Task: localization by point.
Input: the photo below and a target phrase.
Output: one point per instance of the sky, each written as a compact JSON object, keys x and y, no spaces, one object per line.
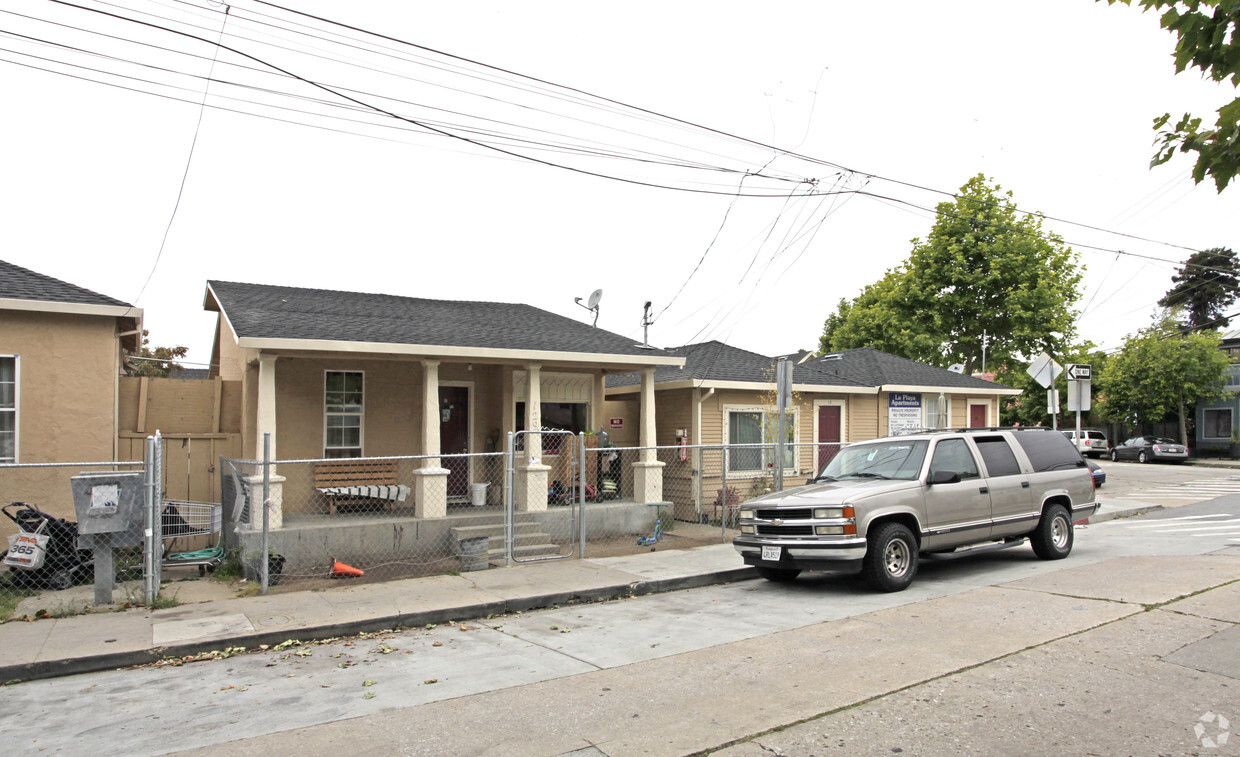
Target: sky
{"x":740,"y":166}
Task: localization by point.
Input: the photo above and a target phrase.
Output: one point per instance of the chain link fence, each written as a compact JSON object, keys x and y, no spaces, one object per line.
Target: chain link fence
{"x":74,"y":527}
{"x":376,"y":519}
{"x":84,"y":533}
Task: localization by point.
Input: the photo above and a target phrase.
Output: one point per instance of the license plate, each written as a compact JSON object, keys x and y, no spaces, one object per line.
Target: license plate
{"x":771,"y":553}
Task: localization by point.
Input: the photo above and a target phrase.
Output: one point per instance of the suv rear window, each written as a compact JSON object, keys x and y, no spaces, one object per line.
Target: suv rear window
{"x":1048,"y":451}
{"x":997,"y":455}
{"x":1096,"y":435}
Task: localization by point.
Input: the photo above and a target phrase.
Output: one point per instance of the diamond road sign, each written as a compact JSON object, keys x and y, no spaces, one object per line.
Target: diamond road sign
{"x":1044,"y":370}
{"x":1079,"y":372}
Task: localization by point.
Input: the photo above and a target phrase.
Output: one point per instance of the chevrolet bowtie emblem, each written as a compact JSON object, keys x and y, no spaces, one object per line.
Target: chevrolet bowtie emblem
{"x":777,"y":523}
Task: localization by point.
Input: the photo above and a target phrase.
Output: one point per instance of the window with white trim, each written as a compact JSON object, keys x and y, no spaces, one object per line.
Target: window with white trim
{"x":342,"y":411}
{"x":758,"y":425}
{"x":936,"y":406}
{"x":8,"y":408}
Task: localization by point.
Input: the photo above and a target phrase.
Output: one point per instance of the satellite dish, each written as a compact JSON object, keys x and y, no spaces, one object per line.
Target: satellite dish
{"x":592,"y":303}
{"x":957,"y":368}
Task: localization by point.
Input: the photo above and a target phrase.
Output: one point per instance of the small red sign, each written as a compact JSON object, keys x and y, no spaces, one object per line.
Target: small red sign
{"x":617,"y":423}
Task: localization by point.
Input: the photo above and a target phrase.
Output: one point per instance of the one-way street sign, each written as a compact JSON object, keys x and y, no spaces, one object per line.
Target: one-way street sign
{"x":1079,"y":372}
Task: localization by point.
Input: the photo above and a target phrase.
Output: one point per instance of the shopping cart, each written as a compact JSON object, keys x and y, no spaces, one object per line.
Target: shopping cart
{"x":192,"y":534}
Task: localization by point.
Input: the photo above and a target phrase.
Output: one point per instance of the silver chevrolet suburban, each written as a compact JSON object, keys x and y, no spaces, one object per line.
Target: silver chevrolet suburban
{"x":878,"y":505}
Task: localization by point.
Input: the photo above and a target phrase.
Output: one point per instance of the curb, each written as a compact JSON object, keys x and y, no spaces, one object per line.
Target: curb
{"x":30,"y":671}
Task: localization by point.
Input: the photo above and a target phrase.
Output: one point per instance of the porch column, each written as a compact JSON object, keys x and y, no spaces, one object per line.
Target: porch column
{"x":647,"y":471}
{"x":430,"y":482}
{"x":266,"y":422}
{"x":530,"y":494}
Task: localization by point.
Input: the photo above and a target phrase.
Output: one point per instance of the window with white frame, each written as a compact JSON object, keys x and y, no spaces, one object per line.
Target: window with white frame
{"x":343,"y":406}
{"x":1216,"y":424}
{"x":8,"y":408}
{"x":758,"y":425}
{"x":936,"y":406}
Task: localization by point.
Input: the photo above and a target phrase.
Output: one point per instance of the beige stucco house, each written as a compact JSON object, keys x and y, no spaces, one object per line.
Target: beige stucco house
{"x":724,"y":395}
{"x":338,"y":375}
{"x":62,"y":349}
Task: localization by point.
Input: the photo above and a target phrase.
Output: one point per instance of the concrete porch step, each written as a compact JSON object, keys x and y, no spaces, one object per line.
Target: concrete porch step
{"x":496,"y":556}
{"x":493,"y":530}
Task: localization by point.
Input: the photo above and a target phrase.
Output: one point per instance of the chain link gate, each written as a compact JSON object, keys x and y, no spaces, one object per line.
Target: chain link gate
{"x":533,"y":535}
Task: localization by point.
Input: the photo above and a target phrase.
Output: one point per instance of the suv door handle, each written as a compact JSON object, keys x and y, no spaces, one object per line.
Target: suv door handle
{"x":1024,"y":484}
{"x":982,"y":489}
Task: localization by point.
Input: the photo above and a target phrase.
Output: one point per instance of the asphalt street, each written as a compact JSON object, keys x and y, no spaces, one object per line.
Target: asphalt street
{"x":319,"y":697}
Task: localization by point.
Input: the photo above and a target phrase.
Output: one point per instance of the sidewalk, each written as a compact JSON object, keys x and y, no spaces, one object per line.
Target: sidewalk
{"x":210,"y":619}
{"x":100,"y":641}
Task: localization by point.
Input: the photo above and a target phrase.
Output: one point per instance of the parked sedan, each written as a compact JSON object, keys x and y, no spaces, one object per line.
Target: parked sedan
{"x":1150,"y":449}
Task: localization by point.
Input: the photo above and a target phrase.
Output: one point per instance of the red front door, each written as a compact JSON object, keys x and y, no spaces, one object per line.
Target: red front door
{"x":977,"y":416}
{"x":454,"y":437}
{"x":828,"y":434}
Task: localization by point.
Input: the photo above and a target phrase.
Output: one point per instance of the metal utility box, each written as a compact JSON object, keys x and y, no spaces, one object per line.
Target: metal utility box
{"x":110,"y":503}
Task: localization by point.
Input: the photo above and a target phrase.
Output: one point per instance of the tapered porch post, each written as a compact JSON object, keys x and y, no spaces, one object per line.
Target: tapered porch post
{"x":430,"y":482}
{"x":530,"y":491}
{"x":265,"y":421}
{"x":647,"y":471}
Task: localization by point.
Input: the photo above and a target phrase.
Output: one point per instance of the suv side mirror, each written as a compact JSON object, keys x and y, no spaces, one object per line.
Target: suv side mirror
{"x":944,"y":477}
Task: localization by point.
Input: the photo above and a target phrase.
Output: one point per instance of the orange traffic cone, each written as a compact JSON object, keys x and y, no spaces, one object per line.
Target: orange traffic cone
{"x":340,"y":570}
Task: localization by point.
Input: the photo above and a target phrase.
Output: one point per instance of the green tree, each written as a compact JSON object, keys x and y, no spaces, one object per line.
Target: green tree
{"x":985,"y":269}
{"x":159,"y":361}
{"x":1204,"y":287}
{"x":1208,"y":37}
{"x":1162,"y":370}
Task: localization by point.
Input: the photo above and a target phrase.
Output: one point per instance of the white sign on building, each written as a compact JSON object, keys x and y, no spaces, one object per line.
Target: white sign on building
{"x":903,"y":412}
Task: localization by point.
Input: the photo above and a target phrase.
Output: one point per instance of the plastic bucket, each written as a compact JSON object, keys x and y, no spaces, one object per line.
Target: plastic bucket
{"x":478,"y":494}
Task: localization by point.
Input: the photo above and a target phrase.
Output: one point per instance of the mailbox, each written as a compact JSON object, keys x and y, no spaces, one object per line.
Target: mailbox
{"x":109,"y":503}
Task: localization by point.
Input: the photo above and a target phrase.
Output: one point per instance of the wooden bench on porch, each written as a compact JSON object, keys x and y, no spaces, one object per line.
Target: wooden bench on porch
{"x":348,"y":481}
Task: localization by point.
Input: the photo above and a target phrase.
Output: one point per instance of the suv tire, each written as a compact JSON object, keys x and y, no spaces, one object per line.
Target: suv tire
{"x":890,"y":558}
{"x":778,"y":575}
{"x":1052,"y":540}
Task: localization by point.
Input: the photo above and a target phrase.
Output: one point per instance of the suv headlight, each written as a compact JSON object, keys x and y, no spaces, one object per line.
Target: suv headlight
{"x":823,"y":513}
{"x":747,"y":514}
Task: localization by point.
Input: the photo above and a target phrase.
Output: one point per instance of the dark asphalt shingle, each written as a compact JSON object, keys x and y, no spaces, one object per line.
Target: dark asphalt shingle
{"x":17,"y":283}
{"x":877,"y":368}
{"x":263,"y":311}
{"x":716,"y":361}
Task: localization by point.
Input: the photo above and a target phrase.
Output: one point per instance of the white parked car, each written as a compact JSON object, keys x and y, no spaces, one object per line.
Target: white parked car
{"x":1090,"y":443}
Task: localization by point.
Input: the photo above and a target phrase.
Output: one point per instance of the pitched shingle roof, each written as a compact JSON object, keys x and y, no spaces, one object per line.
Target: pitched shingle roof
{"x":17,"y":283}
{"x":716,"y":361}
{"x":877,"y":368}
{"x":264,"y":312}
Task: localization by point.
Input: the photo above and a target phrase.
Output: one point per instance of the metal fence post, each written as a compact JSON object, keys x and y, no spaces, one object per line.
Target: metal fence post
{"x":581,"y":489}
{"x":510,"y":480}
{"x":266,"y":546}
{"x":149,"y":517}
{"x":723,"y":497}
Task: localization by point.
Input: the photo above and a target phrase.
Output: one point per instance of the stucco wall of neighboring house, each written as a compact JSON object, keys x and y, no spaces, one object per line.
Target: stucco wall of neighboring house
{"x":68,"y":368}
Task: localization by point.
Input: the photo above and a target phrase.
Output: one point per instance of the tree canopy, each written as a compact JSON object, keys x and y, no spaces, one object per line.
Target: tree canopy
{"x":1208,"y":37}
{"x":160,"y":361}
{"x":985,"y":269}
{"x":1162,"y":370}
{"x":1207,"y":283}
